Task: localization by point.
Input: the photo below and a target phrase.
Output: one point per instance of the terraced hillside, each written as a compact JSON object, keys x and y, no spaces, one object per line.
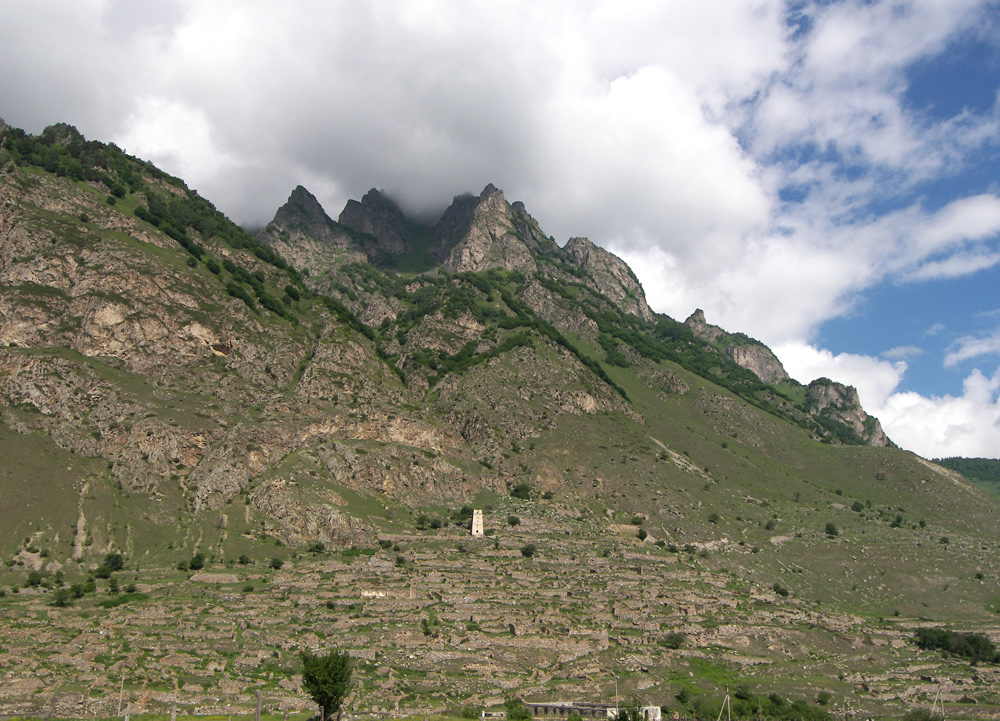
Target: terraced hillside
{"x":436,"y":620}
{"x":174,"y":391}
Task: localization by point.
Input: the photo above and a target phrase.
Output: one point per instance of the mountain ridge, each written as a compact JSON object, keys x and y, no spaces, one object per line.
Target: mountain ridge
{"x":174,"y":390}
{"x":477,"y":233}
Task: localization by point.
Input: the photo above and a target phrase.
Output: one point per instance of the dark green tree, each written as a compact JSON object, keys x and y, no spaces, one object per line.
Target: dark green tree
{"x":630,"y":710}
{"x":516,"y":710}
{"x":327,"y":679}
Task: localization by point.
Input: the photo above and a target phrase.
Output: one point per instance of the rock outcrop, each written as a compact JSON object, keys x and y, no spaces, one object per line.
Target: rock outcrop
{"x":307,"y":237}
{"x":490,"y":240}
{"x":839,"y":402}
{"x":743,"y":350}
{"x":379,"y":217}
{"x":611,"y":276}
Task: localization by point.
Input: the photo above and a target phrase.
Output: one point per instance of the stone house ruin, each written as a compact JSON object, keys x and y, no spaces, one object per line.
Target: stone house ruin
{"x":562,"y":709}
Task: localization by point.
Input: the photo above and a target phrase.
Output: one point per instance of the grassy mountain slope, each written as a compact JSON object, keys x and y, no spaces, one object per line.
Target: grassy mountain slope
{"x":171,"y":390}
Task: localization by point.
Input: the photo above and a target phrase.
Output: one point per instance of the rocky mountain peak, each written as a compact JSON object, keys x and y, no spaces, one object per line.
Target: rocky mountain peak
{"x":696,"y":320}
{"x":305,"y":235}
{"x":303,"y":215}
{"x":378,"y":216}
{"x":700,"y":327}
{"x":301,"y":207}
{"x":611,"y":274}
{"x":479,"y":233}
{"x":827,"y":398}
{"x":375,"y":198}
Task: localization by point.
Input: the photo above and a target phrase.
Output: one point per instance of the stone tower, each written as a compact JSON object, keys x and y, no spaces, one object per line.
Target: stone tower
{"x":477,"y":523}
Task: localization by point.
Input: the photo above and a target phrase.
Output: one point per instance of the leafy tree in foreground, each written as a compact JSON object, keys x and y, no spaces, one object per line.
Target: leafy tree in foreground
{"x":630,"y":710}
{"x":327,"y":679}
{"x":516,"y":710}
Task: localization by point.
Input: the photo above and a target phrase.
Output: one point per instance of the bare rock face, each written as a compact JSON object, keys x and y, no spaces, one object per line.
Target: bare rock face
{"x":301,"y":516}
{"x":454,"y":224}
{"x":611,"y":275}
{"x":700,"y":327}
{"x":491,"y":240}
{"x":829,"y":399}
{"x":307,"y":237}
{"x":380,"y":217}
{"x":745,"y":351}
{"x":759,"y":360}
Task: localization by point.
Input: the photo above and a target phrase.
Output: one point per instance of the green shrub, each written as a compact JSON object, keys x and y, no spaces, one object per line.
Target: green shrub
{"x":522,"y":491}
{"x":673,"y":640}
{"x":973,"y":646}
{"x":316,"y":547}
{"x":516,"y":710}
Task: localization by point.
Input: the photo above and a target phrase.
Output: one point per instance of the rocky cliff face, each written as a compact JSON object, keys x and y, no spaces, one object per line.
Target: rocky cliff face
{"x":746,"y":352}
{"x":611,"y":276}
{"x":308,"y":238}
{"x":379,"y":217}
{"x":491,"y":239}
{"x":827,"y":399}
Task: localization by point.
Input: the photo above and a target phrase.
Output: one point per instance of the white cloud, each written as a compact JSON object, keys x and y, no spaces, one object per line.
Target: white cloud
{"x":956,"y":266}
{"x":941,"y":427}
{"x":900,"y":352}
{"x":933,"y":426}
{"x":969,"y":347}
{"x":962,"y":221}
{"x":173,"y":134}
{"x":764,"y":174}
{"x":875,"y":379}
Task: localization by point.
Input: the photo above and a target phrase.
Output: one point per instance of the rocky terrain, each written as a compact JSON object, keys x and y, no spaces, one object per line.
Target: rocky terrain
{"x":333,"y":397}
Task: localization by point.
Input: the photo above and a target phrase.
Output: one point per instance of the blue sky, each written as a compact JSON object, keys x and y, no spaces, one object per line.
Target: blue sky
{"x":933,"y":317}
{"x":820,"y":175}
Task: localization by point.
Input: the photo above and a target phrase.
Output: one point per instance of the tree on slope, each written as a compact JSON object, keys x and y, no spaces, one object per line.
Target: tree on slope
{"x":327,"y":679}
